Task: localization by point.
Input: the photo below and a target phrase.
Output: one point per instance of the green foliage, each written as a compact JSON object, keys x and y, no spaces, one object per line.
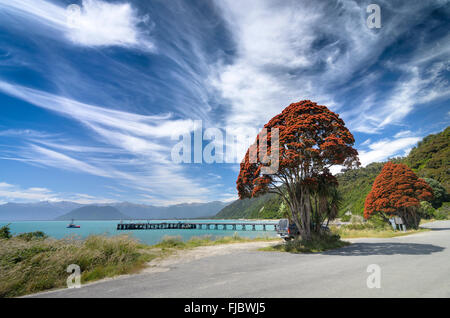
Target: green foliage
{"x":264,"y":207}
{"x":283,"y":211}
{"x":355,"y":185}
{"x":29,"y":266}
{"x":5,"y":232}
{"x":32,"y":235}
{"x":443,"y":213}
{"x":439,"y":192}
{"x":377,"y":222}
{"x":319,"y":243}
{"x":431,"y":158}
{"x":171,"y":242}
{"x":176,"y":242}
{"x":427,"y":210}
{"x":346,"y":218}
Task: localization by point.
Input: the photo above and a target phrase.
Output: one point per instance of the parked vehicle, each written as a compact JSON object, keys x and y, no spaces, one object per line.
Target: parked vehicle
{"x":288,"y":230}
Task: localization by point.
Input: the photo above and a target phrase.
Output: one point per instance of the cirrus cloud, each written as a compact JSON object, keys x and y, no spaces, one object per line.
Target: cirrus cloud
{"x":97,"y":23}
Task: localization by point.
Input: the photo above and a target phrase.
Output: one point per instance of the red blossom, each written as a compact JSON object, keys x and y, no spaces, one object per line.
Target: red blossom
{"x":396,"y":187}
{"x":311,"y":139}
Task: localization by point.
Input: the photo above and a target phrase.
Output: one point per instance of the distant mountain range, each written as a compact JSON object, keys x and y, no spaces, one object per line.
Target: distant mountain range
{"x":35,"y":211}
{"x":94,"y":212}
{"x":68,"y":210}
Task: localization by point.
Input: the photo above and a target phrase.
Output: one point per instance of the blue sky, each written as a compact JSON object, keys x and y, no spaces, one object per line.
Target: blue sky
{"x":90,"y":104}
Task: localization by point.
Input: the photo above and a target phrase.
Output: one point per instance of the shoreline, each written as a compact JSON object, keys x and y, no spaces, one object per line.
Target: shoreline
{"x":173,"y":252}
{"x":175,"y":257}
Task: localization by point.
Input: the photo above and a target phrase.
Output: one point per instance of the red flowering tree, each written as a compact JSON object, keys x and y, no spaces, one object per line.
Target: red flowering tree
{"x":397,"y":191}
{"x":311,"y":140}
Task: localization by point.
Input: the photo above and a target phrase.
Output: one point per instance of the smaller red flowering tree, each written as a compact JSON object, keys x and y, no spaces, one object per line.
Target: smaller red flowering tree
{"x":397,"y":191}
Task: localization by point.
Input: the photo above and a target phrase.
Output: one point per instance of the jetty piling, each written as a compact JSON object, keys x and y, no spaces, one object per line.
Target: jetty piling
{"x":196,"y":226}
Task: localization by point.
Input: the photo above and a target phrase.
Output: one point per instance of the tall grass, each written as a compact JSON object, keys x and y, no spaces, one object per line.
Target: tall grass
{"x":373,"y":228}
{"x":32,"y":262}
{"x":176,"y":242}
{"x":29,"y":265}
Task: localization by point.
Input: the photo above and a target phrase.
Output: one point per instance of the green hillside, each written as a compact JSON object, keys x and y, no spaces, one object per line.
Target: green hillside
{"x":429,"y":159}
{"x":263,"y":207}
{"x":354,"y":185}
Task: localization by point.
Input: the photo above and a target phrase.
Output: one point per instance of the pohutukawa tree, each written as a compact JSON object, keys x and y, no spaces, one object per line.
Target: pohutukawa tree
{"x":311,"y":140}
{"x":397,"y":191}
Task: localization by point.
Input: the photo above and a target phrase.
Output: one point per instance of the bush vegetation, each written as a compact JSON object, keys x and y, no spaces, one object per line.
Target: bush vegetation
{"x":31,"y":262}
{"x":319,"y":243}
{"x":374,"y":227}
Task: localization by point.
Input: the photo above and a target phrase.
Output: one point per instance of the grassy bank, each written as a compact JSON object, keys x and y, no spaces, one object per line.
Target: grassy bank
{"x":361,"y":231}
{"x":37,"y":264}
{"x":176,"y":242}
{"x":32,"y":262}
{"x":375,"y":227}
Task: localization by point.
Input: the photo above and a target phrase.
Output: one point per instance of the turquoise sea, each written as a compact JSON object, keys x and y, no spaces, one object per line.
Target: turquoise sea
{"x":57,"y":229}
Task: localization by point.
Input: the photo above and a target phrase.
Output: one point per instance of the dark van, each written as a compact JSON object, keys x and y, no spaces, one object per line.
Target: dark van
{"x":288,"y":230}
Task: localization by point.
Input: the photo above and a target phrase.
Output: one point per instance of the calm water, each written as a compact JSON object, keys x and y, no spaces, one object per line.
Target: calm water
{"x":57,"y":229}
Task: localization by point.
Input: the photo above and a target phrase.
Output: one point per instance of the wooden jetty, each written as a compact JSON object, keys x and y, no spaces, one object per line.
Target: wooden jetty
{"x":197,"y":226}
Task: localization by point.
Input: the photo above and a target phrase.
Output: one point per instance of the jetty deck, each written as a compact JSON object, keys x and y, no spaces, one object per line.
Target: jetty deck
{"x":235,"y":226}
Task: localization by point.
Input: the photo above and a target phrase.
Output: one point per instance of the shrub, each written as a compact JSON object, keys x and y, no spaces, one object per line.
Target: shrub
{"x":318,"y":243}
{"x":443,"y":213}
{"x":171,"y":242}
{"x":427,"y":210}
{"x":374,"y":223}
{"x":356,"y":219}
{"x":5,"y":232}
{"x":32,"y":235}
{"x":439,"y":192}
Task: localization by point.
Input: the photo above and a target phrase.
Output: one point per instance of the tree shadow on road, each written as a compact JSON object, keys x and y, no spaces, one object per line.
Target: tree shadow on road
{"x":366,"y":249}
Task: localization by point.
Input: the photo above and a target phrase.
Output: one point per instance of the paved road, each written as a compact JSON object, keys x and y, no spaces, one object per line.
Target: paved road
{"x":411,"y":266}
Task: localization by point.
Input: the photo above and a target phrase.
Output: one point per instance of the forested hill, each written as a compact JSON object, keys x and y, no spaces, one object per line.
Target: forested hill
{"x":263,"y":207}
{"x":429,"y":159}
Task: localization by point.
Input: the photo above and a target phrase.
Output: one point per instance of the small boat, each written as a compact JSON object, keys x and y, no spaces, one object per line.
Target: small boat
{"x":73,"y":226}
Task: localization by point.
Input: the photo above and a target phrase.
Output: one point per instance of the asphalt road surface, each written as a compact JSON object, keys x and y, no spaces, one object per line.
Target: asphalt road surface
{"x":410,"y":266}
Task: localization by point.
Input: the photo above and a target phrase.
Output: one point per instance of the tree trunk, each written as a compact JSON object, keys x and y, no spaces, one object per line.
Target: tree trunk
{"x":307,"y":214}
{"x":299,"y":203}
{"x":410,"y":218}
{"x":301,"y":214}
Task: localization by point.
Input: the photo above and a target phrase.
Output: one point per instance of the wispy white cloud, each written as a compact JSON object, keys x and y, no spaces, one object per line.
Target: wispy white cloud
{"x":97,"y":23}
{"x":15,"y":193}
{"x":55,"y":159}
{"x":415,"y":88}
{"x":142,"y":141}
{"x":12,"y":193}
{"x":387,"y":148}
{"x":288,"y":51}
{"x":97,"y":117}
{"x":403,"y":133}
